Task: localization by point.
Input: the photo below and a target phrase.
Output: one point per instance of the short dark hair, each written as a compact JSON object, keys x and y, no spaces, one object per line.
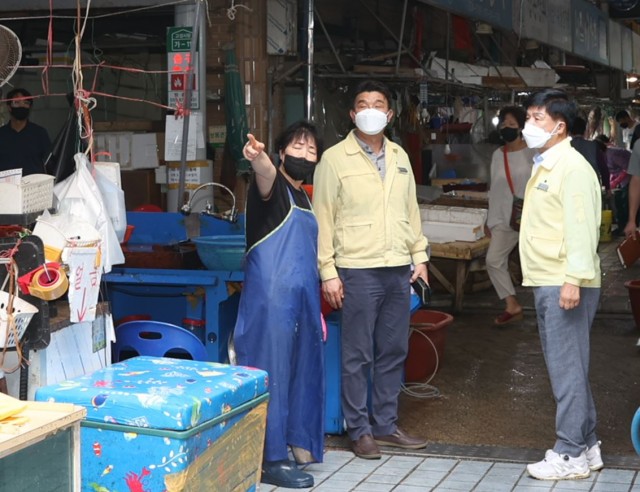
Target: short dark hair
{"x":19,"y":92}
{"x":579,"y":126}
{"x":299,"y":129}
{"x":603,"y":141}
{"x":516,"y":111}
{"x":556,"y":103}
{"x":370,"y":86}
{"x":622,"y":115}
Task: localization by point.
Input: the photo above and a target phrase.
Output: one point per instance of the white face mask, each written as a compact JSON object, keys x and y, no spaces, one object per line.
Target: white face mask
{"x":537,"y":137}
{"x":371,"y":121}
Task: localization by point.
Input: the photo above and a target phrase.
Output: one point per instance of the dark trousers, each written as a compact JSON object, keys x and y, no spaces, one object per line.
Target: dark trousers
{"x":375,"y":338}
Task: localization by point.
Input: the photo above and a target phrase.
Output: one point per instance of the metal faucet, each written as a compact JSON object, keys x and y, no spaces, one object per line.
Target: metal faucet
{"x":230,"y":215}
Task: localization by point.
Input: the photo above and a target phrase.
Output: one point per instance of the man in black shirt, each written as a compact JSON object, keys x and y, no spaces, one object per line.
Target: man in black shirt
{"x":23,"y":144}
{"x":591,"y":151}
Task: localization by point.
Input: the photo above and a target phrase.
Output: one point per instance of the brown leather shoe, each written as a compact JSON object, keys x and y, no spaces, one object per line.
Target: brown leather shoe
{"x":365,"y":447}
{"x":401,"y":440}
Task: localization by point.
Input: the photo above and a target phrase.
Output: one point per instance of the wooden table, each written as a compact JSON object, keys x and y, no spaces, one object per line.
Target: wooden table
{"x":42,"y":450}
{"x":462,"y":252}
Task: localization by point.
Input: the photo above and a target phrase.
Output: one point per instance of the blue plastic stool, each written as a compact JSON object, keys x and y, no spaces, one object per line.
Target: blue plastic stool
{"x":156,"y":339}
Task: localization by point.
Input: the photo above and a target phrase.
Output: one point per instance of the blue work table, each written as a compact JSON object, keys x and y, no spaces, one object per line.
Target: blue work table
{"x":172,"y":295}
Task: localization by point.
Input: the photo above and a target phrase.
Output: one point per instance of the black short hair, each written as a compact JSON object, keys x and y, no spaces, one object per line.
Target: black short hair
{"x":516,"y":111}
{"x":370,"y":86}
{"x":19,"y":92}
{"x":556,"y":103}
{"x":579,"y":126}
{"x":603,"y":141}
{"x":622,"y":115}
{"x":299,"y":129}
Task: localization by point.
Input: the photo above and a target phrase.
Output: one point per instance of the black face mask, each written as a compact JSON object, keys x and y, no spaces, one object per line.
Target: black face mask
{"x":298,"y":168}
{"x":20,"y":114}
{"x":509,"y":134}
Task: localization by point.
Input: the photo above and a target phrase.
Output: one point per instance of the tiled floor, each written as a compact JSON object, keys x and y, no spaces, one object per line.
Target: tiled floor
{"x":498,"y":470}
{"x":342,"y":472}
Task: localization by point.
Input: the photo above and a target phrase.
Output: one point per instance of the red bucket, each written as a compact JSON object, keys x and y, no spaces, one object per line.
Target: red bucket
{"x":633,"y":286}
{"x":426,"y":344}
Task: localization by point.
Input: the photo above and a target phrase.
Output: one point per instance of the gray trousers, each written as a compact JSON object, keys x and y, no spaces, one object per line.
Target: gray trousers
{"x":564,"y":335}
{"x":375,"y":339}
{"x":503,"y":240}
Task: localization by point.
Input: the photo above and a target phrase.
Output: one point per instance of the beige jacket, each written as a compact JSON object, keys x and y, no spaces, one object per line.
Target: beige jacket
{"x":365,"y":222}
{"x":560,"y":225}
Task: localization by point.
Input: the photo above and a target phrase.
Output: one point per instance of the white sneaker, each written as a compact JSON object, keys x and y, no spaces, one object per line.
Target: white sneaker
{"x":594,"y":457}
{"x":556,"y":466}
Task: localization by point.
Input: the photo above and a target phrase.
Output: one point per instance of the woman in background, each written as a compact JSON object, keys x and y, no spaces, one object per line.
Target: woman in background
{"x":515,"y":156}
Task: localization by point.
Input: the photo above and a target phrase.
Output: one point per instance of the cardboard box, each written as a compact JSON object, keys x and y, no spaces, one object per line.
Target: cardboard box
{"x":169,"y":424}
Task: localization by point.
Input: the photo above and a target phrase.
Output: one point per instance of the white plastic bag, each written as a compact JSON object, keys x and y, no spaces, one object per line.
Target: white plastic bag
{"x":114,"y":202}
{"x":79,"y":196}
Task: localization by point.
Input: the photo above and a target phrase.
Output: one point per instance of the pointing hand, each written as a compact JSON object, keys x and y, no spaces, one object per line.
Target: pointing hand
{"x":252,"y":148}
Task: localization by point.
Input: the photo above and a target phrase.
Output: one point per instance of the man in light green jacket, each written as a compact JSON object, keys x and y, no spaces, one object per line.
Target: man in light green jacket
{"x":559,"y":235}
{"x":370,"y":233}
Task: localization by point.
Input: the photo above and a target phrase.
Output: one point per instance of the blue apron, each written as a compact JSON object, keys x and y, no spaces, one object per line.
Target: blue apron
{"x":279,"y":330}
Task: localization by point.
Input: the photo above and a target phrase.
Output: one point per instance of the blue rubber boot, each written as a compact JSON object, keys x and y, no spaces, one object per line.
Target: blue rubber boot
{"x":285,"y":474}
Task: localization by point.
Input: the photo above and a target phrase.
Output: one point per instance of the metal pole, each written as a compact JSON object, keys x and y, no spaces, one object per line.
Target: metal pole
{"x":187,"y":103}
{"x":310,"y":24}
{"x":404,"y":16}
{"x":447,"y":48}
{"x":399,"y":41}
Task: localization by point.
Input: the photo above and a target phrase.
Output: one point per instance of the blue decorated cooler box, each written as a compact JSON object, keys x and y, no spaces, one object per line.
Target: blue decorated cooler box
{"x":157,"y":424}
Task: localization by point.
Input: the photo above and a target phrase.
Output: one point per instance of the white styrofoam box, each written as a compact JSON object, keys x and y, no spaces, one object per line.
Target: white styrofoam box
{"x":446,"y":232}
{"x":144,"y":151}
{"x":116,"y":144}
{"x":110,"y":170}
{"x":456,"y":215}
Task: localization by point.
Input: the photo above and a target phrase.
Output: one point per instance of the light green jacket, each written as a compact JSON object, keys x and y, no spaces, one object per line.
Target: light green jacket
{"x":560,"y":225}
{"x":365,"y":222}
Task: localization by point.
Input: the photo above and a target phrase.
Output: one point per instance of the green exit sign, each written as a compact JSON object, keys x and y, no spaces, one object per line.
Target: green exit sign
{"x":178,"y":39}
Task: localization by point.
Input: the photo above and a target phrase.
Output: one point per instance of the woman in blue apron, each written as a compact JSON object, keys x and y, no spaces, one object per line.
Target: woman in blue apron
{"x":279,"y":326}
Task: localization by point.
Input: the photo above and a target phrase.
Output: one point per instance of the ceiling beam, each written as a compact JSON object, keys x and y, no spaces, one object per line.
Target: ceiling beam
{"x":15,"y":5}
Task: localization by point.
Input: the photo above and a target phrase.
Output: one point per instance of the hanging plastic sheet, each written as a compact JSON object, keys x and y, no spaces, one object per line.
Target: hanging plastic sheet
{"x":60,"y":162}
{"x":234,"y":106}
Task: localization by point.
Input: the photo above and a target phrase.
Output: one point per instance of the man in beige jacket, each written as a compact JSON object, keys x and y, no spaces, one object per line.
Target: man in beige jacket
{"x":559,"y":236}
{"x":370,"y":234}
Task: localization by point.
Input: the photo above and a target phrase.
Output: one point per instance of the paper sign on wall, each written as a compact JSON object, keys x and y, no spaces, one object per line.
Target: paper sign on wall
{"x":173,"y":138}
{"x":84,"y":282}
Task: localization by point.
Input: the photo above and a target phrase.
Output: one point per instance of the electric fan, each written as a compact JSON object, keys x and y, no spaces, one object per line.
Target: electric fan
{"x":10,"y":54}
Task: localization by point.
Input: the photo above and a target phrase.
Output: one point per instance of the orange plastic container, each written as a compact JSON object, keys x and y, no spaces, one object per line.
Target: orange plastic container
{"x":427,"y":327}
